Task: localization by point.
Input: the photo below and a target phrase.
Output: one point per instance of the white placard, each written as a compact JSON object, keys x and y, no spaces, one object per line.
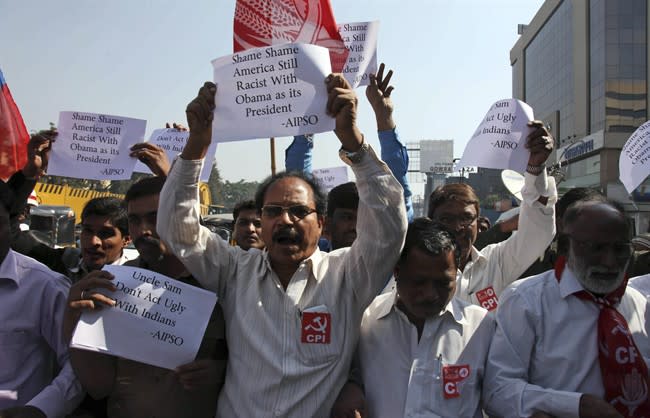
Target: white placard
{"x":173,"y":141}
{"x":360,"y":40}
{"x":500,"y":139}
{"x":329,"y":178}
{"x":272,"y":91}
{"x":634,"y":162}
{"x":157,"y":320}
{"x":95,"y":146}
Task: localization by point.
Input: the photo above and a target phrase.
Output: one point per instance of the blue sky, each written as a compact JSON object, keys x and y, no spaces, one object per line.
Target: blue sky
{"x":146,"y":59}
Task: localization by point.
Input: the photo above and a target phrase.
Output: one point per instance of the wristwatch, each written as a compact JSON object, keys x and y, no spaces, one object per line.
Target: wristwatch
{"x":351,"y":158}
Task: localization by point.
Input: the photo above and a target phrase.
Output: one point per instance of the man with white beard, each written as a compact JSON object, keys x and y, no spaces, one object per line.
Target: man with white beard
{"x":545,"y":359}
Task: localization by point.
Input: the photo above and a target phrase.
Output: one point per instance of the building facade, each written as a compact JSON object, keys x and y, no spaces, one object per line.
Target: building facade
{"x":582,"y":66}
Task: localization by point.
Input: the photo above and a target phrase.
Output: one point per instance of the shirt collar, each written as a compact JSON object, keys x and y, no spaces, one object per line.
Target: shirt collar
{"x":8,"y":268}
{"x":453,"y":308}
{"x":313,"y":260}
{"x":569,"y":283}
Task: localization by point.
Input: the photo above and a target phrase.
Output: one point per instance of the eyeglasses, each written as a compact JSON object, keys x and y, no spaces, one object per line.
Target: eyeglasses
{"x":621,"y":250}
{"x":295,"y":212}
{"x":464,"y":220}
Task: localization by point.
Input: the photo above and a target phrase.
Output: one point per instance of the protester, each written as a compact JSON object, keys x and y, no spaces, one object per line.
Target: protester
{"x":341,"y":219}
{"x":574,"y":341}
{"x":422,"y":350}
{"x":247,"y":229}
{"x":36,"y":378}
{"x":484,"y":274}
{"x":292,"y":311}
{"x":136,"y":389}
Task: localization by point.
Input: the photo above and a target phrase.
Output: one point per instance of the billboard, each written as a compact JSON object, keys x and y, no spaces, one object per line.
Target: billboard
{"x":436,"y":156}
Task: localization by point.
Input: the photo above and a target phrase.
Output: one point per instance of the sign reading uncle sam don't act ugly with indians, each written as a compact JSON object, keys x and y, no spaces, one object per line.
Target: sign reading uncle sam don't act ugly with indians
{"x":273,"y":91}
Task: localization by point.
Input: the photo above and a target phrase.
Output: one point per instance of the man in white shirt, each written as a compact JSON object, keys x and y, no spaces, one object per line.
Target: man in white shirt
{"x":484,"y":274}
{"x":573,"y":342}
{"x":422,"y":351}
{"x":36,"y":379}
{"x":292,"y":312}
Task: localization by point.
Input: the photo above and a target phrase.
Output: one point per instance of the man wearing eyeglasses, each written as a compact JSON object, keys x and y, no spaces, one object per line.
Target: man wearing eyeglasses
{"x":247,"y":230}
{"x":484,"y":274}
{"x":573,"y":341}
{"x":292,"y":312}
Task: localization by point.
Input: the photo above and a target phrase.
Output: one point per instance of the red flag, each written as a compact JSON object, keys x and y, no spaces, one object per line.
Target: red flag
{"x":270,"y":22}
{"x":13,"y":134}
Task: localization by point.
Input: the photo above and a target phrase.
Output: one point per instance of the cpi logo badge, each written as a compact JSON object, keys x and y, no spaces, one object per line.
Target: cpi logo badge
{"x":452,"y":379}
{"x":487,"y":298}
{"x":316,"y":327}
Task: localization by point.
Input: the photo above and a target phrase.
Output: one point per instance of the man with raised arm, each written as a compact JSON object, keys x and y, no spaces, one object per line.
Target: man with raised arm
{"x":292,"y":312}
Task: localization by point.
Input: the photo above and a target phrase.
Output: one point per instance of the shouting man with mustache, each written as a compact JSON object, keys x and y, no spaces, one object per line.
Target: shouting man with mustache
{"x":292,"y":312}
{"x":573,"y":341}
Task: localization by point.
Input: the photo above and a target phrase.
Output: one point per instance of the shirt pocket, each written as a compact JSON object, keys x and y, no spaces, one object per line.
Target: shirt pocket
{"x":319,"y":348}
{"x":445,"y":398}
{"x":15,"y":347}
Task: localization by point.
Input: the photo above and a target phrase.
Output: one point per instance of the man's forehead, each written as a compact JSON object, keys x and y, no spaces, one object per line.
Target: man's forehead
{"x":454,"y":206}
{"x":248,"y":214}
{"x":288,"y":188}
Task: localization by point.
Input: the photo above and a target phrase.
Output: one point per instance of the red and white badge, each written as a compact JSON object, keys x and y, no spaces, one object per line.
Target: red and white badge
{"x":487,"y":298}
{"x":452,"y":379}
{"x":316,"y":327}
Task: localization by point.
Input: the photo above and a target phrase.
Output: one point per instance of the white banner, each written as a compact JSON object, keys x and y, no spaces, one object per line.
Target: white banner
{"x":360,"y":40}
{"x":329,"y":178}
{"x":157,"y":320}
{"x":272,"y":91}
{"x":500,"y":139}
{"x":634,"y":161}
{"x":95,"y":146}
{"x":173,"y":141}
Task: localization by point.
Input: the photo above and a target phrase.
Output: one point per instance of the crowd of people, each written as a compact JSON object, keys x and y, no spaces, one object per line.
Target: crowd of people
{"x":336,"y":305}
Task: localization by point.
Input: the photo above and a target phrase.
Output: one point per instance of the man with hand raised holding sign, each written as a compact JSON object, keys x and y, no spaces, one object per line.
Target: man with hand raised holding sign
{"x":292,"y":312}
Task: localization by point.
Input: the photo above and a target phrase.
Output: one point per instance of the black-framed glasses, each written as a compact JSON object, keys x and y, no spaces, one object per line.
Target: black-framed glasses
{"x":464,"y":220}
{"x":295,"y":212}
{"x":621,"y":250}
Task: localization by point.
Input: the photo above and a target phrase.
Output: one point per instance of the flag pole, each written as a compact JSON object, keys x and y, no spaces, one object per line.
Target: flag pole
{"x":272,"y":156}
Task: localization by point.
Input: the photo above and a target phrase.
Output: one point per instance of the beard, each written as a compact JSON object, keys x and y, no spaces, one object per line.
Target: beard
{"x":596,"y":279}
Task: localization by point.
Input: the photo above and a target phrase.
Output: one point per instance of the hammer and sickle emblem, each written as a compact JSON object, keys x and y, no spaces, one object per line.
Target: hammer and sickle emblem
{"x":321,"y":326}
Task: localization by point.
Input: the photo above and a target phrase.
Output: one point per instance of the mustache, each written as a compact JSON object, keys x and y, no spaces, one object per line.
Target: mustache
{"x":287,"y":233}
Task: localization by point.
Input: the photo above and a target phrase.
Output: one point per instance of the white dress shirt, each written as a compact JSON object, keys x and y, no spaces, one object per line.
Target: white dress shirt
{"x":544,"y":353}
{"x":404,"y":377}
{"x":500,"y":264}
{"x":270,"y":371}
{"x":641,"y":283}
{"x":32,"y":301}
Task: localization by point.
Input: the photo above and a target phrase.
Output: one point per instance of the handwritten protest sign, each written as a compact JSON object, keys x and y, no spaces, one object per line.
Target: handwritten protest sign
{"x":95,"y":146}
{"x":634,"y":161}
{"x":500,"y":139}
{"x":156,"y":320}
{"x":272,"y":91}
{"x":329,"y":178}
{"x":360,"y":40}
{"x":173,"y":141}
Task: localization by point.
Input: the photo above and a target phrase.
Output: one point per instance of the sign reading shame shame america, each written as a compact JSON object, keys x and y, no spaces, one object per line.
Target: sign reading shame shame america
{"x":500,"y":139}
{"x":360,"y":40}
{"x":156,"y":320}
{"x":95,"y":146}
{"x":634,"y":161}
{"x":272,"y":91}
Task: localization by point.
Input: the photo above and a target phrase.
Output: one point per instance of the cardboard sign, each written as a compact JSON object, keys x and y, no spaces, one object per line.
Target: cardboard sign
{"x":95,"y":146}
{"x":329,"y":178}
{"x":156,"y":320}
{"x":634,"y":161}
{"x":500,"y":139}
{"x":360,"y":40}
{"x":272,"y":91}
{"x":173,"y":141}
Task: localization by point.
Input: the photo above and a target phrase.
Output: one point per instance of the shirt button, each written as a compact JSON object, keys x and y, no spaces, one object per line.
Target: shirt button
{"x":278,"y":413}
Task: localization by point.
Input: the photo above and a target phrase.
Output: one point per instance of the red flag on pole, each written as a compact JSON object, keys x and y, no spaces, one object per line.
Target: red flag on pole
{"x":13,"y":134}
{"x":270,"y":22}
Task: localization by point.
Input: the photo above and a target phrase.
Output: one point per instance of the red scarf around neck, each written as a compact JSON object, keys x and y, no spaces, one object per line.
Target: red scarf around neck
{"x":625,"y":374}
